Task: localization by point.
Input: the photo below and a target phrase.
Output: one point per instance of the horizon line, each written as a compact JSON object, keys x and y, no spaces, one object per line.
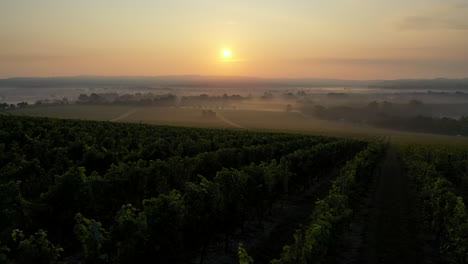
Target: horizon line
{"x":225,"y":76}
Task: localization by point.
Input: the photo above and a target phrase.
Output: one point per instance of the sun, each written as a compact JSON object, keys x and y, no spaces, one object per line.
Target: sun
{"x":226,"y":53}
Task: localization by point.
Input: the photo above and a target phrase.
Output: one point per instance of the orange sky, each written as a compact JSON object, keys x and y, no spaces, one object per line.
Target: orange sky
{"x":350,"y":39}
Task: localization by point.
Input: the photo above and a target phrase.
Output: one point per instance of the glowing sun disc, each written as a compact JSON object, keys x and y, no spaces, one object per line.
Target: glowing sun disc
{"x":226,"y":53}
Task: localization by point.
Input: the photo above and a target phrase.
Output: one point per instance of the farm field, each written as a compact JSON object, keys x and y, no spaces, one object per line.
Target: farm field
{"x":111,"y":186}
{"x":120,"y":192}
{"x":233,"y":132}
{"x":297,"y":122}
{"x":174,"y":116}
{"x":150,"y":115}
{"x":89,"y":112}
{"x":259,"y":120}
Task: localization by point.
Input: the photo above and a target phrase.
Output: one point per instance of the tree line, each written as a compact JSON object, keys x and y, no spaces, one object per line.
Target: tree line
{"x":410,"y":117}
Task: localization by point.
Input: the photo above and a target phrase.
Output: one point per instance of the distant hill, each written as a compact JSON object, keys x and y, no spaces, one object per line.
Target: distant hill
{"x":226,"y":81}
{"x":173,"y":81}
{"x":439,"y":84}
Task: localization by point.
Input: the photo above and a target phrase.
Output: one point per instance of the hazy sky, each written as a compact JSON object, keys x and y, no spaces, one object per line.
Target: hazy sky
{"x":353,"y":39}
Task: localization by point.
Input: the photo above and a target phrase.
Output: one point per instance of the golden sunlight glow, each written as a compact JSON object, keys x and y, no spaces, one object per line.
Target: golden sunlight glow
{"x":226,"y":53}
{"x":244,"y":38}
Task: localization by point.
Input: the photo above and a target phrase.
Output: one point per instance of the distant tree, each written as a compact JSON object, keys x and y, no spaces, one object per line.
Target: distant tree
{"x":22,"y":105}
{"x":464,"y":125}
{"x":337,"y":95}
{"x":415,"y":102}
{"x":96,"y":98}
{"x":267,"y":95}
{"x":83,"y":98}
{"x":387,"y":105}
{"x":289,"y":95}
{"x":373,"y":106}
{"x":3,"y":106}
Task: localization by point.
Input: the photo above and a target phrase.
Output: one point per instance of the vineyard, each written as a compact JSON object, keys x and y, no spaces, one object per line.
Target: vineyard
{"x":441,"y":175}
{"x":100,"y":192}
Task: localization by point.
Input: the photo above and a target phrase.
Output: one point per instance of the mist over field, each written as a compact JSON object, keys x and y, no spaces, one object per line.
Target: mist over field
{"x":320,"y":106}
{"x":234,"y":132}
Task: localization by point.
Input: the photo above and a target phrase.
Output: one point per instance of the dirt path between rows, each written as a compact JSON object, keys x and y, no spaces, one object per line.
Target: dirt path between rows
{"x":264,"y":247}
{"x":227,"y":121}
{"x":391,"y":236}
{"x":265,"y":244}
{"x":124,"y":115}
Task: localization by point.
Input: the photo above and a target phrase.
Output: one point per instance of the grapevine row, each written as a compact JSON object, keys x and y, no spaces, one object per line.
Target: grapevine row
{"x":240,"y":183}
{"x":444,"y":212}
{"x":332,"y":214}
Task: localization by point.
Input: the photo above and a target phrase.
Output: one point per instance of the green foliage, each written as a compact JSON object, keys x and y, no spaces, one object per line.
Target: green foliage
{"x":165,"y":216}
{"x":4,"y":250}
{"x":11,"y":213}
{"x":444,"y":209}
{"x":92,"y":237}
{"x":311,"y":244}
{"x":129,"y":235}
{"x":244,"y":257}
{"x":203,"y":205}
{"x":164,"y":193}
{"x":35,"y":248}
